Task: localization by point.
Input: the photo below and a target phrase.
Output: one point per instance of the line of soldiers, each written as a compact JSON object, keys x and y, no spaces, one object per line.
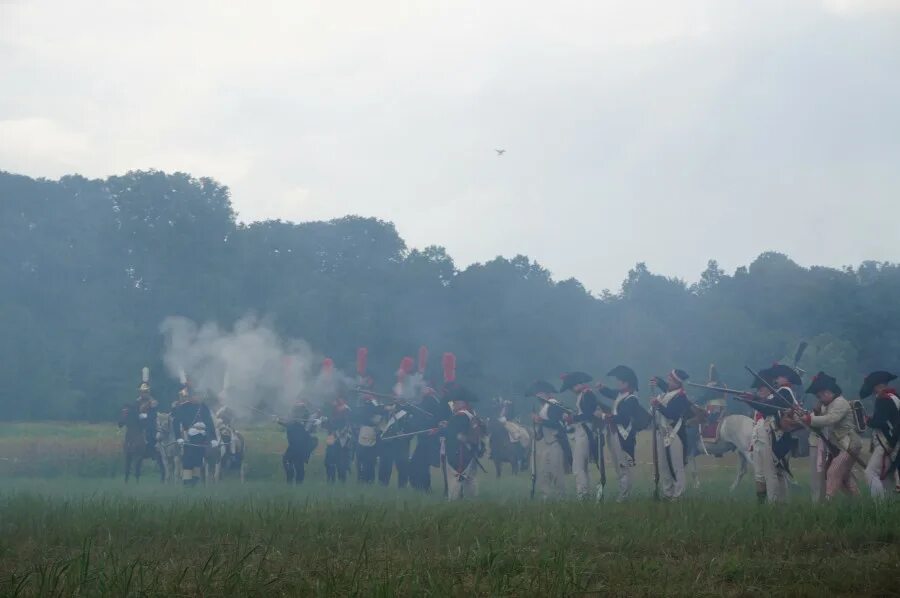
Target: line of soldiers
{"x":834,"y":424}
{"x":377,"y":432}
{"x":569,"y":440}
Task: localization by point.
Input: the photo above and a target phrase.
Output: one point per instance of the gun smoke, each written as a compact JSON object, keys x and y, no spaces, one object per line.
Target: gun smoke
{"x":246,"y":367}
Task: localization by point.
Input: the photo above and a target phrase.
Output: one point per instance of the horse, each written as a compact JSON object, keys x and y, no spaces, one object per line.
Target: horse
{"x":509,"y":442}
{"x":136,"y":447}
{"x":227,"y":456}
{"x":169,"y":449}
{"x":733,"y":432}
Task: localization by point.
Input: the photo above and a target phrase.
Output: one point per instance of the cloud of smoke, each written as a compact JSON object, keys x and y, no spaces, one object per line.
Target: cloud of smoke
{"x":247,"y":366}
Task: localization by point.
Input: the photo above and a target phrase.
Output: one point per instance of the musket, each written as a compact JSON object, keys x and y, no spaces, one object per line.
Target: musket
{"x":724,"y":390}
{"x":832,"y":447}
{"x":655,"y":455}
{"x":557,"y":403}
{"x":409,"y":434}
{"x":393,"y":399}
{"x":444,"y":466}
{"x":533,"y":454}
{"x":757,"y":404}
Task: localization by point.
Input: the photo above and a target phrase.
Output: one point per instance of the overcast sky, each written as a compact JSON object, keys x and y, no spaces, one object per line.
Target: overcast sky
{"x":661,"y":131}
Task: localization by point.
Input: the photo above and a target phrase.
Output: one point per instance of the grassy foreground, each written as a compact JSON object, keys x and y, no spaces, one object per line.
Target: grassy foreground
{"x":73,"y":535}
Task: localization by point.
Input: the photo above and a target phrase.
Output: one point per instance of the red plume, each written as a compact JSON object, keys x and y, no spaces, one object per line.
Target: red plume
{"x":423,"y":359}
{"x":449,"y":363}
{"x":406,"y":367}
{"x":327,"y":366}
{"x":362,"y":356}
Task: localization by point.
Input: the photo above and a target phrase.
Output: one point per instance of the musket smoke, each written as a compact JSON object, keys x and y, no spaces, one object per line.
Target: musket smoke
{"x":246,"y":365}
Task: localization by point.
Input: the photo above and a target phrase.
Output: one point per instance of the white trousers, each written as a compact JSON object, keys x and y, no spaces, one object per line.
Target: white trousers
{"x":673,"y":487}
{"x":581,"y":458}
{"x":551,"y":470}
{"x":623,"y":463}
{"x":816,"y":474}
{"x":462,"y":486}
{"x":877,"y":462}
{"x":767,"y":472}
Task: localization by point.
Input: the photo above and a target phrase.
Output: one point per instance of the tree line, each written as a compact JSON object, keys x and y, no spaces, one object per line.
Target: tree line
{"x":90,"y":268}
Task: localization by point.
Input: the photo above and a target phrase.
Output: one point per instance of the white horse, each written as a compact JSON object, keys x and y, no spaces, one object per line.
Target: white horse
{"x":735,"y":434}
{"x":227,"y":456}
{"x":169,"y":449}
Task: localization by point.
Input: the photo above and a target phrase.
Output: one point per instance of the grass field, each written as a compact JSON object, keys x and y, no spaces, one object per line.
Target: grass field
{"x":68,"y":527}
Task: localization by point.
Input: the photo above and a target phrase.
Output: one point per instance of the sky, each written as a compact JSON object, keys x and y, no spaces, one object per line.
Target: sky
{"x":659,"y":131}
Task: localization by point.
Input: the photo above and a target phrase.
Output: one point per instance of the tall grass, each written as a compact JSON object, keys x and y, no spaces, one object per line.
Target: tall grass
{"x":69,"y":535}
{"x":89,"y":539}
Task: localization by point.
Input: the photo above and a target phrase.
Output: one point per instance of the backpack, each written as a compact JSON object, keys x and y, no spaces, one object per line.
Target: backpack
{"x":641,"y":419}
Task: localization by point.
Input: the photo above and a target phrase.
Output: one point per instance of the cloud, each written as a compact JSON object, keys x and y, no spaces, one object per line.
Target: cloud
{"x":38,"y":143}
{"x":669,"y":132}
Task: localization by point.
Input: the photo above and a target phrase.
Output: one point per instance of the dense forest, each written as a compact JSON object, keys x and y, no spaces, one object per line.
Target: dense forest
{"x":90,"y":268}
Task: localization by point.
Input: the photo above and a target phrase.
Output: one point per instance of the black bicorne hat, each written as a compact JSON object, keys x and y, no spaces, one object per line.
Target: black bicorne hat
{"x":764,"y":375}
{"x":573,"y":379}
{"x":540,"y":386}
{"x":461,"y":393}
{"x":823,"y":381}
{"x":625,"y":374}
{"x":680,"y":374}
{"x":786,"y":371}
{"x":873,"y":380}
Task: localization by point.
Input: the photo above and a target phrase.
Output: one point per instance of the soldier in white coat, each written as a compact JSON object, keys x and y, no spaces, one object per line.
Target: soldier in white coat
{"x":838,"y":425}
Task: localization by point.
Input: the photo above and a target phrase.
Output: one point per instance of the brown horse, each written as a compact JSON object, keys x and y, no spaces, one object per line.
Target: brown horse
{"x":137,"y":421}
{"x":508,"y":441}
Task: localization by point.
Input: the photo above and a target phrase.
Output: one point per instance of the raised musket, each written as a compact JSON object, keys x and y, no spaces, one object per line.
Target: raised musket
{"x":832,"y":447}
{"x":393,"y":399}
{"x":655,"y":453}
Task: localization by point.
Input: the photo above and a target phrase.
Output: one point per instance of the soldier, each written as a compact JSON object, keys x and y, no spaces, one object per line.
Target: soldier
{"x":301,"y":442}
{"x":148,"y":411}
{"x":195,"y":430}
{"x":395,"y":453}
{"x":464,"y":435}
{"x":625,"y":420}
{"x":885,"y":424}
{"x":427,"y":453}
{"x":771,"y":440}
{"x":337,"y":443}
{"x":838,"y":424}
{"x":671,"y":409}
{"x":552,"y":458}
{"x":368,"y":420}
{"x":585,"y":449}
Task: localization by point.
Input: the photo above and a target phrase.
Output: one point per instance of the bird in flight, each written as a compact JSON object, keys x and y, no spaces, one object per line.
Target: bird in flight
{"x":500,"y":152}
